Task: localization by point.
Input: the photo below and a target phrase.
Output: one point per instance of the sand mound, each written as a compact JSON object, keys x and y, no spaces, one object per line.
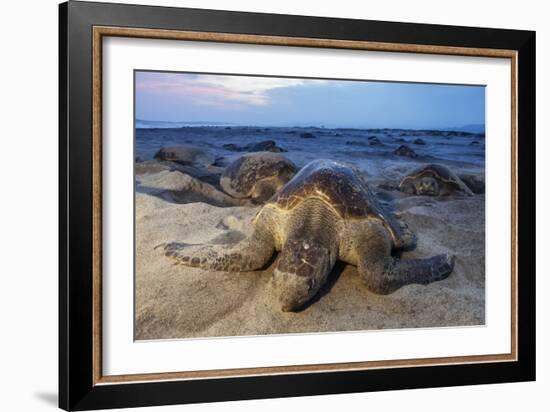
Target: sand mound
{"x":176,"y":187}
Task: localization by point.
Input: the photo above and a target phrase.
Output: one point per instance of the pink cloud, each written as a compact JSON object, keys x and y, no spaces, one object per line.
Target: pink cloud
{"x":227,"y":91}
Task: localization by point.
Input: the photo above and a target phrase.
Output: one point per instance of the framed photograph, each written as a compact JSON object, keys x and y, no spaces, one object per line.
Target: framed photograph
{"x":256,"y":205}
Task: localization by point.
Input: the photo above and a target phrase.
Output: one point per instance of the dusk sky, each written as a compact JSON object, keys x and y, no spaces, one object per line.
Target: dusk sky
{"x":274,"y":101}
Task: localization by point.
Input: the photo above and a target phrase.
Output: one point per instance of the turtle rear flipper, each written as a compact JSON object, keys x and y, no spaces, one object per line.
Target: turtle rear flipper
{"x":249,"y":254}
{"x":464,"y":188}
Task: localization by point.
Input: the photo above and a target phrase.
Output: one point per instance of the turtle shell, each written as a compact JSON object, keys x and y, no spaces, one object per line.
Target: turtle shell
{"x":342,"y":188}
{"x":240,"y":177}
{"x":439,"y":172}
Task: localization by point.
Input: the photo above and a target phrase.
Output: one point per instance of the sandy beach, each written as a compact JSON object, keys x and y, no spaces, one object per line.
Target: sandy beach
{"x":177,"y":202}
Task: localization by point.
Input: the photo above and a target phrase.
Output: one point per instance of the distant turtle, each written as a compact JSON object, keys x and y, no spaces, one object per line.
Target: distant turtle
{"x":324,"y":214}
{"x":264,"y":146}
{"x":257,"y":175}
{"x":374,"y":141}
{"x":184,"y":154}
{"x":355,"y":143}
{"x":433,"y":180}
{"x":405,"y":151}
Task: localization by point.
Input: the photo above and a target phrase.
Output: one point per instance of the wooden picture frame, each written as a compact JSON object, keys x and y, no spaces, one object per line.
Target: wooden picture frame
{"x":82,"y":385}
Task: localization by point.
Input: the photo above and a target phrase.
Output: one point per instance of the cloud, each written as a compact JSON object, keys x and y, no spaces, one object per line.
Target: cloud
{"x":215,"y":89}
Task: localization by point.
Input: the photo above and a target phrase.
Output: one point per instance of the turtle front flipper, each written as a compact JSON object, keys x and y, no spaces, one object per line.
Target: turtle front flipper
{"x":249,"y":254}
{"x":389,"y":274}
{"x":384,"y":274}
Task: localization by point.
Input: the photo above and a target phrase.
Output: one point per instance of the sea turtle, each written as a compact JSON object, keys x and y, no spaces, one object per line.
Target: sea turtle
{"x":257,"y":175}
{"x":263,"y":146}
{"x":433,"y":180}
{"x":185,"y":154}
{"x":324,"y":214}
{"x":405,"y":151}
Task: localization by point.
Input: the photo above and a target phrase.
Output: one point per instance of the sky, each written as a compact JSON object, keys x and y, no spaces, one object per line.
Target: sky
{"x":276,"y":101}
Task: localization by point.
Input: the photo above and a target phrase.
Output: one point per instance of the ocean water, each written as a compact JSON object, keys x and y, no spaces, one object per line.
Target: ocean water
{"x":369,"y":149}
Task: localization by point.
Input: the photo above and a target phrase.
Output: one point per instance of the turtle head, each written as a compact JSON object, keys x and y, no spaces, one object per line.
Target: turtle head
{"x":303,"y":267}
{"x":427,"y":186}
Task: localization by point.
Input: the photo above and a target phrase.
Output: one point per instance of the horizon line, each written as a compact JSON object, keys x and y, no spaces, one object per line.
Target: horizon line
{"x":306,"y":125}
